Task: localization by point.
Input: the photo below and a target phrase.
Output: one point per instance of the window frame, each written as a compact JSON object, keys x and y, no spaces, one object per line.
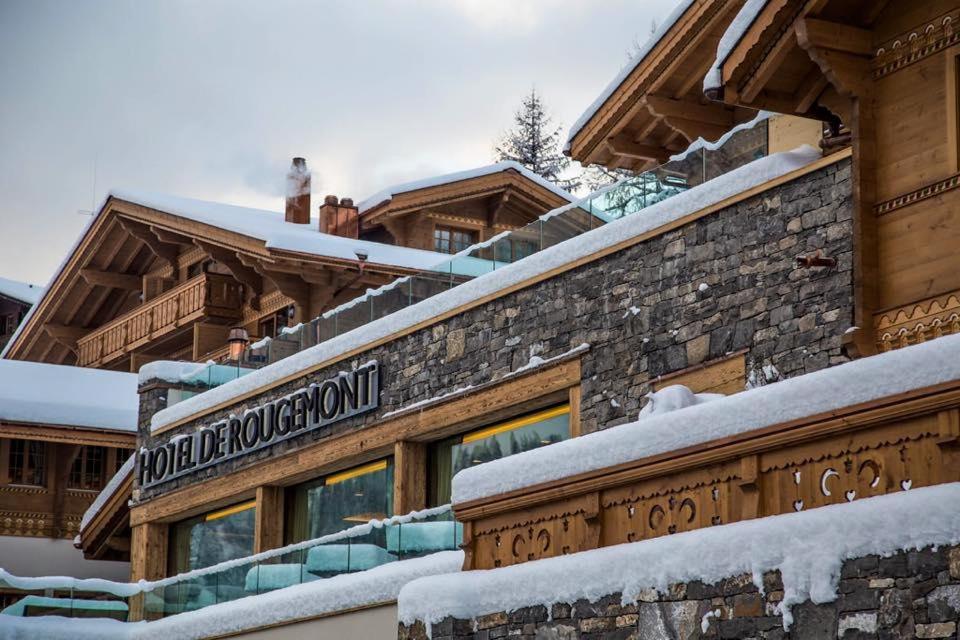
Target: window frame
{"x":26,"y":468}
{"x":451,"y":234}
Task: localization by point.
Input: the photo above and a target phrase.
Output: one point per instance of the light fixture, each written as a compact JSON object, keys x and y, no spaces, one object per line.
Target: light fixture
{"x":238,"y":340}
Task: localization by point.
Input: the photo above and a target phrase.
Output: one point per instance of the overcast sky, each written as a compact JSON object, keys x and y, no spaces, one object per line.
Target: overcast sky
{"x":210,"y":99}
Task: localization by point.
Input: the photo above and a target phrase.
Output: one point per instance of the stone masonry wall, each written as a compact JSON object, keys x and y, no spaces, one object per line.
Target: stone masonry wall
{"x":912,"y":594}
{"x":726,"y":282}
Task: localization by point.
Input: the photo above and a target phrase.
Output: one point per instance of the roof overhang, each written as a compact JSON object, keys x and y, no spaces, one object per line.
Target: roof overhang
{"x":659,"y":108}
{"x":106,"y":535}
{"x":67,"y":434}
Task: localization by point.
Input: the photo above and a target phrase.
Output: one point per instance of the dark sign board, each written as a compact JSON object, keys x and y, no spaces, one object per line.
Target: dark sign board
{"x":313,"y":407}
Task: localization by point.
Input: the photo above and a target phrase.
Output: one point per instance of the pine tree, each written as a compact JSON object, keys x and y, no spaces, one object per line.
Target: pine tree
{"x":535,"y":144}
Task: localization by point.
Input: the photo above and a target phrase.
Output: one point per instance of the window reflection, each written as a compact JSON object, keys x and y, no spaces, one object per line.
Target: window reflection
{"x":494,"y":442}
{"x":339,"y":501}
{"x":215,"y":537}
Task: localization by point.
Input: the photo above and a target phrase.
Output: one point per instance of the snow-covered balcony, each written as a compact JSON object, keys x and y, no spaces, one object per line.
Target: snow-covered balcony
{"x":880,"y":425}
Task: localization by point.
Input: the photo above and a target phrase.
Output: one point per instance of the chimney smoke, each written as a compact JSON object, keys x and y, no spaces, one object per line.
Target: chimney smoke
{"x":298,"y":193}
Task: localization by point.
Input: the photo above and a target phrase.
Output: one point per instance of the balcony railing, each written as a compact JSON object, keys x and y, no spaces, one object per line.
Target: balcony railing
{"x":349,"y":551}
{"x":207,"y":295}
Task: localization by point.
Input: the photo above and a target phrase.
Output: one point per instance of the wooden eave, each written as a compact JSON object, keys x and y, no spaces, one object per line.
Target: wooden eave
{"x":68,"y":434}
{"x":660,"y":108}
{"x":103,"y":532}
{"x":509,"y":181}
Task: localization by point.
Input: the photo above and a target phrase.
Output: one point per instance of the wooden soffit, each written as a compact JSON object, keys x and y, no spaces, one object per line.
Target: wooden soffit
{"x":68,"y":435}
{"x":659,"y":108}
{"x":109,"y":528}
{"x":515,"y":185}
{"x":802,"y":57}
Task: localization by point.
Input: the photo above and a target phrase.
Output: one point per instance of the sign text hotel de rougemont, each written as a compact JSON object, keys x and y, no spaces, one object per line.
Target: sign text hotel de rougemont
{"x":318,"y":405}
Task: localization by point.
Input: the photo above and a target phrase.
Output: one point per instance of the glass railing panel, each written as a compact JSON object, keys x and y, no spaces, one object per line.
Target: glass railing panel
{"x":740,"y":148}
{"x":391,"y":300}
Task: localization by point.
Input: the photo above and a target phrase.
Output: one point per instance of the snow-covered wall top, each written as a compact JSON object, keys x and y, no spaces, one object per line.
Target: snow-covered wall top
{"x":865,"y":380}
{"x":22,"y":291}
{"x":554,"y":257}
{"x":387,"y":194}
{"x":627,"y":70}
{"x":52,"y":394}
{"x":730,"y":39}
{"x":271,"y":227}
{"x":808,"y":548}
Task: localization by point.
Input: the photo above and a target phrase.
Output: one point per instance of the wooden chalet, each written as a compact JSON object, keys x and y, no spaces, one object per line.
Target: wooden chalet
{"x":156,"y":277}
{"x":64,"y":431}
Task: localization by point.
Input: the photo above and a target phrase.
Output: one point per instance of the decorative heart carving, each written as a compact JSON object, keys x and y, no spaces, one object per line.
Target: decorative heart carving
{"x":906,"y":484}
{"x":851,"y":495}
{"x":798,"y":505}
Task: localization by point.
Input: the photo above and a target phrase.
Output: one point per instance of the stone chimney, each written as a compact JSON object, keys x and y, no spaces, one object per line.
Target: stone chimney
{"x":339,"y":217}
{"x":298,"y":193}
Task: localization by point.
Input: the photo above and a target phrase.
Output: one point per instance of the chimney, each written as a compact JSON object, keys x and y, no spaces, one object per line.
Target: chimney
{"x":298,"y":193}
{"x":339,"y":217}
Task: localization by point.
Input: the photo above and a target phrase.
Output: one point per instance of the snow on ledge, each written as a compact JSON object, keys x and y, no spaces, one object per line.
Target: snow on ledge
{"x":22,"y":291}
{"x":655,"y":216}
{"x":918,"y":366}
{"x":808,"y":548}
{"x":731,"y":38}
{"x":330,"y":595}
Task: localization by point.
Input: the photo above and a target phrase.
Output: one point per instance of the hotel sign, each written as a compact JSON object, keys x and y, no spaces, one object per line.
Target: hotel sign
{"x":310,"y":408}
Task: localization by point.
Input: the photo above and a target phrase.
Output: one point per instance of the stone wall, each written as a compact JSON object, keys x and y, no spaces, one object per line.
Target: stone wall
{"x":912,"y":594}
{"x":726,"y":282}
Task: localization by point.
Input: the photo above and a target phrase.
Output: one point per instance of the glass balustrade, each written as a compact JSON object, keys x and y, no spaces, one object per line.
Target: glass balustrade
{"x":356,"y":549}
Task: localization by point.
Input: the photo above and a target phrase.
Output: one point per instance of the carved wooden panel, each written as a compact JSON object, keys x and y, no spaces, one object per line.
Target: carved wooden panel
{"x":836,"y":461}
{"x":918,"y":322}
{"x":543,"y":532}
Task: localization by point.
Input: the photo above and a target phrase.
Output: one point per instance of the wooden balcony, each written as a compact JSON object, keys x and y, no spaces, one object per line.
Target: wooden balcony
{"x":901,"y":443}
{"x":207,"y":296}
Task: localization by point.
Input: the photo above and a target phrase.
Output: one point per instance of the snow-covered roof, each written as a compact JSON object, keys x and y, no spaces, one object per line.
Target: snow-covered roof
{"x":865,"y":380}
{"x":118,"y":478}
{"x":22,"y":291}
{"x":731,"y":38}
{"x":52,"y":394}
{"x":808,"y":548}
{"x":270,"y":227}
{"x":587,"y":244}
{"x":387,"y":194}
{"x":637,"y":58}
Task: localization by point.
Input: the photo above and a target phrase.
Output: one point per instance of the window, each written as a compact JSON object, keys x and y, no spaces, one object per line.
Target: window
{"x":339,"y":501}
{"x":197,"y":268}
{"x":450,"y":240}
{"x":214,"y":537}
{"x":122,"y":456}
{"x":491,"y":443}
{"x":87,"y":469}
{"x":510,"y":250}
{"x":270,"y":326}
{"x":27,"y":463}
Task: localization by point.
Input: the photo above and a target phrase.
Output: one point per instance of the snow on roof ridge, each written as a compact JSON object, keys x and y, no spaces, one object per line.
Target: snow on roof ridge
{"x":730,"y":39}
{"x":387,"y":194}
{"x":625,"y":72}
{"x":865,"y":380}
{"x":807,"y":547}
{"x":125,"y":470}
{"x":94,"y":398}
{"x":655,"y":216}
{"x":19,"y":290}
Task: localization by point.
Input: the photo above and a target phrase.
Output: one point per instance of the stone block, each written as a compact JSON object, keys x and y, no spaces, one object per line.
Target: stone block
{"x":936,"y":630}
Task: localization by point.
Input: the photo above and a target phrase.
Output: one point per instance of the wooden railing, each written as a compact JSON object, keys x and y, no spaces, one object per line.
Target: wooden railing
{"x":906,"y":442}
{"x":207,"y":295}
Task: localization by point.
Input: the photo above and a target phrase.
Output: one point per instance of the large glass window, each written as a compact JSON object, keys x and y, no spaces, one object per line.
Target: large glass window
{"x":87,"y":469}
{"x":27,"y":462}
{"x":490,"y":443}
{"x":211,"y":538}
{"x":339,"y":501}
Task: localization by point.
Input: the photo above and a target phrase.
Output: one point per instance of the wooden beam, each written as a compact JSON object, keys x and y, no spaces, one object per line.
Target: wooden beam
{"x":713,"y":114}
{"x":409,"y":476}
{"x":245,"y":275}
{"x":771,"y":63}
{"x":496,"y":208}
{"x":170,"y":237}
{"x":65,"y":333}
{"x":63,"y":458}
{"x":810,"y":90}
{"x":622,"y":146}
{"x":164,"y":252}
{"x":148,"y":560}
{"x":268,"y":524}
{"x":113,"y":280}
{"x":823,"y":34}
{"x":848,"y":73}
